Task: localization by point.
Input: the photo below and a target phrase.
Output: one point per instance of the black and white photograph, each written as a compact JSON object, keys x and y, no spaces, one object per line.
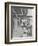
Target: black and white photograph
{"x":22,"y":22}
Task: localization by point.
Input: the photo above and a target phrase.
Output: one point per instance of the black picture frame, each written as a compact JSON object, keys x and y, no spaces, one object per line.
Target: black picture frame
{"x":7,"y":22}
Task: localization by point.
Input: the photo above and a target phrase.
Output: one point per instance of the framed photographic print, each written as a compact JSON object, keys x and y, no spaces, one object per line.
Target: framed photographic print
{"x":20,"y":22}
